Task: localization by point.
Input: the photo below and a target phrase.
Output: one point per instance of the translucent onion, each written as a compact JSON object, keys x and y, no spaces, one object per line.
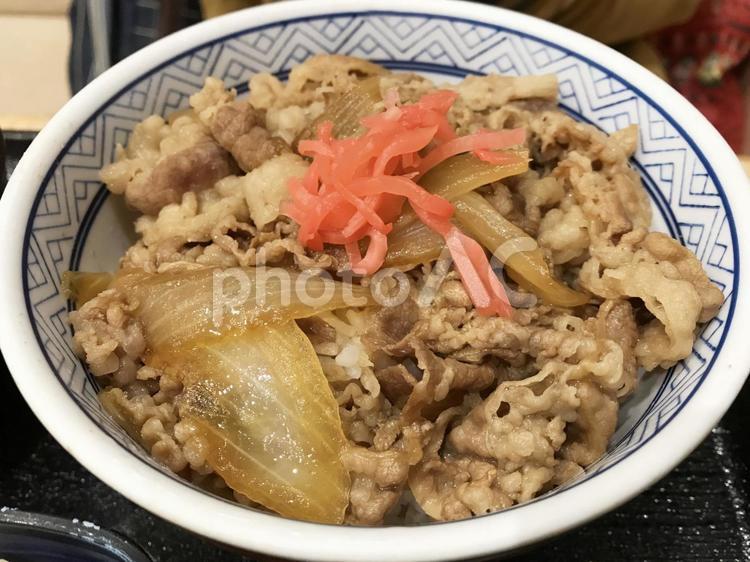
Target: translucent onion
{"x":259,"y":400}
{"x":346,"y":109}
{"x":255,"y":392}
{"x":411,"y":243}
{"x":175,"y":306}
{"x":462,"y":174}
{"x":516,"y":249}
{"x":415,"y":244}
{"x":82,"y":286}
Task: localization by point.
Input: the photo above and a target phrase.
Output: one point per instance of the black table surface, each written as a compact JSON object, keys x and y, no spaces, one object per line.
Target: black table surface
{"x":698,"y":512}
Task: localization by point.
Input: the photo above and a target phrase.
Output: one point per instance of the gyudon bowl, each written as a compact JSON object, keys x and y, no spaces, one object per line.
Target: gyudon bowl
{"x":517,"y":424}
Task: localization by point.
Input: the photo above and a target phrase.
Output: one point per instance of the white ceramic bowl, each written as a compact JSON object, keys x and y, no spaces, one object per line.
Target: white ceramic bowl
{"x":56,"y":216}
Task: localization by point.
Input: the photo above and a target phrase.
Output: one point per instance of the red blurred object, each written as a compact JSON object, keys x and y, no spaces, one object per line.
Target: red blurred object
{"x":703,"y":57}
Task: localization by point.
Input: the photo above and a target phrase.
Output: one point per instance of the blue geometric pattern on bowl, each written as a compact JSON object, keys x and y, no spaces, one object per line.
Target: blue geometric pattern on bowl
{"x":686,"y":193}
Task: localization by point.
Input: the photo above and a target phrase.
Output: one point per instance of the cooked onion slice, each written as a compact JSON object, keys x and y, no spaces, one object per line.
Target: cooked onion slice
{"x":415,"y":244}
{"x":176,"y":306}
{"x":462,"y":174}
{"x":411,"y":243}
{"x":516,"y":249}
{"x":82,"y":286}
{"x":254,"y":389}
{"x":260,"y":401}
{"x":347,"y":108}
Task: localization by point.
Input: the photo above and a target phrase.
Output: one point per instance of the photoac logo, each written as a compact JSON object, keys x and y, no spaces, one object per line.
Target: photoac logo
{"x":317,"y":289}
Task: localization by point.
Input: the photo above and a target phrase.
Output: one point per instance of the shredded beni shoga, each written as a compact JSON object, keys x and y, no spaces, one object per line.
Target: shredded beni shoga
{"x":356,"y":187}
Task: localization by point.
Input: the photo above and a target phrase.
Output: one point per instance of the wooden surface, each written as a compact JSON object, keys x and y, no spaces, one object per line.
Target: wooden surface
{"x":35,"y":43}
{"x":32,"y":7}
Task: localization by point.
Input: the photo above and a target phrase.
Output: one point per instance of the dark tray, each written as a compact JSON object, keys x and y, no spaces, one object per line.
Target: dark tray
{"x":698,"y":512}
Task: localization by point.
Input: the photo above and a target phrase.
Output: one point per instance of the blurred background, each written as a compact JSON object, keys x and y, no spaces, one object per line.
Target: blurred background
{"x":50,"y":49}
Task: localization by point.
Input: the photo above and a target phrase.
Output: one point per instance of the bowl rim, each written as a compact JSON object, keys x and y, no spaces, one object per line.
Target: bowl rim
{"x":273,"y":535}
